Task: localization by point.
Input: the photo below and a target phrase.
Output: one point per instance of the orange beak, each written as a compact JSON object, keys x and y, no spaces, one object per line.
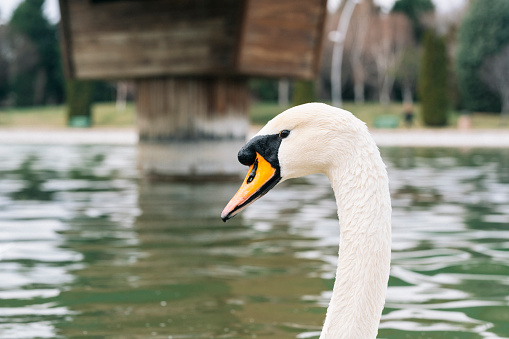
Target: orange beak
{"x":259,"y":180}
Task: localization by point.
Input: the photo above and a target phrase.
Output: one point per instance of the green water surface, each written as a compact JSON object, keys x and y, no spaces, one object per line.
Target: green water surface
{"x":89,"y":250}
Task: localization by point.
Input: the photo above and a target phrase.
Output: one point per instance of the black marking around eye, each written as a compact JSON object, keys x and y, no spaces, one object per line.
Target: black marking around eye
{"x":265,"y":145}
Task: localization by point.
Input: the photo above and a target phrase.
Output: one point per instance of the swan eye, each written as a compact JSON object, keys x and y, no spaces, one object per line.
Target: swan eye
{"x":284,"y":133}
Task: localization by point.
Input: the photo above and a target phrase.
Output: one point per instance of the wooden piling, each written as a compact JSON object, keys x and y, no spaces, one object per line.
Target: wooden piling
{"x":192,"y":108}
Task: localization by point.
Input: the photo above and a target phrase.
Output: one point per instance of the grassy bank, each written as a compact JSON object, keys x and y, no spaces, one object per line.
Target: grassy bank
{"x":262,"y":112}
{"x":105,"y":115}
{"x":369,"y":112}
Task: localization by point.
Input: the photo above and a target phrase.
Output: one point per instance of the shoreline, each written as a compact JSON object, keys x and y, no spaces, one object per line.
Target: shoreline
{"x":481,"y":138}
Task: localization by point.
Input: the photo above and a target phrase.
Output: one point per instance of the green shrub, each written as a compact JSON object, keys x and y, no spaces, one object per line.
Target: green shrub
{"x":483,"y":32}
{"x":263,"y":89}
{"x":433,"y":88}
{"x":79,"y":102}
{"x":303,"y":92}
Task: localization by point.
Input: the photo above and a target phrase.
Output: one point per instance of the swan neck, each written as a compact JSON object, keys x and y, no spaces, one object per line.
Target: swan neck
{"x":362,"y":195}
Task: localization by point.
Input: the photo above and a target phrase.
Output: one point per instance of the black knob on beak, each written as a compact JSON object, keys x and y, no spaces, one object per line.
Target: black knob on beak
{"x":247,"y":155}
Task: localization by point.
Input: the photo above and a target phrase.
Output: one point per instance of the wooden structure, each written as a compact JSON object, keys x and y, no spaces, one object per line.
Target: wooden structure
{"x":191,"y":58}
{"x":108,"y":39}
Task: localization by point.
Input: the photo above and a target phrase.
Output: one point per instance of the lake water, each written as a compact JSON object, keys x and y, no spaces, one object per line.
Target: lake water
{"x":87,"y":249}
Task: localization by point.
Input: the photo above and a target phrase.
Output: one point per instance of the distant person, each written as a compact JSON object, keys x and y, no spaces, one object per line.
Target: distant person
{"x":408,"y":114}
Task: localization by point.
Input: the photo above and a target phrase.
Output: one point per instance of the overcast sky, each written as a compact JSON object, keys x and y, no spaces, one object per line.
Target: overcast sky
{"x":52,"y":12}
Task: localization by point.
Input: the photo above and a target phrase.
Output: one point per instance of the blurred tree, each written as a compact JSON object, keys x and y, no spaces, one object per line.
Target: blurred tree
{"x":4,"y":88}
{"x":389,"y":36}
{"x":303,"y":92}
{"x":20,"y":56}
{"x":356,"y":50}
{"x":264,"y":89}
{"x":79,"y":103}
{"x":484,"y":32}
{"x":104,"y":91}
{"x":4,"y":64}
{"x":43,"y":82}
{"x":3,"y":67}
{"x":407,"y":72}
{"x":414,"y":10}
{"x":495,"y":73}
{"x":375,"y":48}
{"x":433,"y":81}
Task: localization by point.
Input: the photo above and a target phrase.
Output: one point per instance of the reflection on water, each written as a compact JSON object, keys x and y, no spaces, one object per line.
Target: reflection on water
{"x":87,"y":249}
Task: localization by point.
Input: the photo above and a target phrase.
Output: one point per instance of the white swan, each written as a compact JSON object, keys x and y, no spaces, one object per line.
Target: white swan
{"x":317,"y":138}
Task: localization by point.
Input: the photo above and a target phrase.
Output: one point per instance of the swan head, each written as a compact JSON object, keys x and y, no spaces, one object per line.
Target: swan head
{"x":302,"y":140}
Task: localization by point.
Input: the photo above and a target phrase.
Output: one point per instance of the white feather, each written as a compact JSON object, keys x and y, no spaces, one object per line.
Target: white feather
{"x":329,"y":140}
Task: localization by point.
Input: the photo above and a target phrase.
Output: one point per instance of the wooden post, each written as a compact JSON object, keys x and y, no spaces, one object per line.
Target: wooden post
{"x":191,"y":127}
{"x":187,"y":108}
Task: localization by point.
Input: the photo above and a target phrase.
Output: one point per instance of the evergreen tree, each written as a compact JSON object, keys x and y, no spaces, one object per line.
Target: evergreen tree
{"x":43,"y":82}
{"x":303,"y":92}
{"x":79,"y":103}
{"x":263,"y":89}
{"x":414,"y":9}
{"x":433,"y":88}
{"x":4,"y":65}
{"x":483,"y":33}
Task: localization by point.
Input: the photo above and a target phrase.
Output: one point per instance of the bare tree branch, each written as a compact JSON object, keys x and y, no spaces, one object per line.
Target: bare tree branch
{"x":390,"y":35}
{"x":494,"y":72}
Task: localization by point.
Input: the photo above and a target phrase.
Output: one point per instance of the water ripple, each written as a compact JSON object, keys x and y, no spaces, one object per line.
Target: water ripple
{"x":88,"y":249}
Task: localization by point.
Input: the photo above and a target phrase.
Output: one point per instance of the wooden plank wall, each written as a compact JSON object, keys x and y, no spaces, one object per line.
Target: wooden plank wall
{"x":282,"y":37}
{"x":132,"y":39}
{"x":154,"y":38}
